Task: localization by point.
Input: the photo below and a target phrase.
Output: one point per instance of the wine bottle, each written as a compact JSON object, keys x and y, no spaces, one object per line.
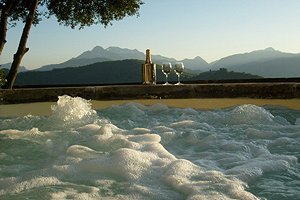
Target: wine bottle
{"x":149,"y":70}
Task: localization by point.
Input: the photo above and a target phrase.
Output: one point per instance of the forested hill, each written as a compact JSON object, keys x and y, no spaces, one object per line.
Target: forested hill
{"x":124,"y":71}
{"x":114,"y":72}
{"x":224,"y":74}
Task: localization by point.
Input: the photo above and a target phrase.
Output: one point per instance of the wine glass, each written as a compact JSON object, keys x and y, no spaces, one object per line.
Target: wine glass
{"x":178,"y":68}
{"x":166,"y":69}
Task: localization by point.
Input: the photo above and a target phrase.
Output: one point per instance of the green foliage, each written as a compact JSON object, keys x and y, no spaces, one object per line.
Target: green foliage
{"x":73,"y":13}
{"x":19,"y":10}
{"x":80,"y":13}
{"x":2,"y":77}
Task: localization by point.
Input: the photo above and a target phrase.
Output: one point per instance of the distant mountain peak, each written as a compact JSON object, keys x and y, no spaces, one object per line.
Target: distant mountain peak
{"x":125,"y":51}
{"x":270,"y":49}
{"x":97,"y":48}
{"x":114,"y":48}
{"x":198,"y":58}
{"x":94,"y":53}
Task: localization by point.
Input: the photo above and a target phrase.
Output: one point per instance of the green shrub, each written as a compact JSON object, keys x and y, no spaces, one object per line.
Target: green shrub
{"x":2,"y":77}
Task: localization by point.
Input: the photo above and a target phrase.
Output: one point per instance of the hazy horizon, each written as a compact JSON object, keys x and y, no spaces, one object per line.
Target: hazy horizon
{"x":75,"y":56}
{"x":181,"y":29}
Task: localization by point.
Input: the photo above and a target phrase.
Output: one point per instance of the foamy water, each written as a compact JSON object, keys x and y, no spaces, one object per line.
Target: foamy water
{"x":134,"y":151}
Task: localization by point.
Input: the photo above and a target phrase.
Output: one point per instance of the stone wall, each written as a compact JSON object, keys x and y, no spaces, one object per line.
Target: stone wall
{"x":127,"y":92}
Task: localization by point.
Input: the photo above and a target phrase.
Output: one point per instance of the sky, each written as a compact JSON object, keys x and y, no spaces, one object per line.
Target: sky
{"x":211,"y":29}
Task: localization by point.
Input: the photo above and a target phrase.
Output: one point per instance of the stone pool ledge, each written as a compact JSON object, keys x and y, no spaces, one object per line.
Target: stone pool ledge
{"x":287,"y":90}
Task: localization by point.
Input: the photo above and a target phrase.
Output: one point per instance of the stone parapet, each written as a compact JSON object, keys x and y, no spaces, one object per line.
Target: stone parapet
{"x":276,"y":90}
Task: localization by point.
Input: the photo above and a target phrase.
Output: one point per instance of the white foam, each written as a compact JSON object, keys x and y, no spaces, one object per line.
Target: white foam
{"x":81,"y":151}
{"x":250,"y":114}
{"x":91,"y":128}
{"x":73,"y":194}
{"x":12,"y":185}
{"x":72,"y":110}
{"x":198,"y":184}
{"x":144,"y":152}
{"x":254,"y":168}
{"x":145,"y":138}
{"x":11,"y":133}
{"x":17,"y":134}
{"x":141,"y":130}
{"x":126,"y":163}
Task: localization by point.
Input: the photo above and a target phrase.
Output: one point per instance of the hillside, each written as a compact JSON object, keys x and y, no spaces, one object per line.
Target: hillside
{"x":276,"y":68}
{"x":125,"y":71}
{"x":268,"y":63}
{"x":223,"y":74}
{"x":196,"y":64}
{"x":251,"y":57}
{"x":73,"y":62}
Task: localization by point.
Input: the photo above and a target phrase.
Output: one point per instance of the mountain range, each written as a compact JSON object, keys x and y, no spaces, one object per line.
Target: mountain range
{"x":99,"y":54}
{"x":268,"y":63}
{"x":114,"y":72}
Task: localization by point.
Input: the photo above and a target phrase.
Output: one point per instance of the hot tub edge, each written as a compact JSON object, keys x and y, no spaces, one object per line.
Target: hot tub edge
{"x":127,"y":92}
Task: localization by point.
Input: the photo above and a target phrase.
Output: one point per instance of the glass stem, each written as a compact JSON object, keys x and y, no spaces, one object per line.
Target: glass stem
{"x":167,"y":78}
{"x":178,"y":78}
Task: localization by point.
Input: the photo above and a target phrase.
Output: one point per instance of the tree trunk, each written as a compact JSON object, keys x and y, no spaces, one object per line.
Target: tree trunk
{"x":3,"y":29}
{"x":5,"y":13}
{"x":11,"y":77}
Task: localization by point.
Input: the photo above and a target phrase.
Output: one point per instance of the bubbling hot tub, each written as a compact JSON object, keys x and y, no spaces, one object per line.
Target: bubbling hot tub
{"x":150,"y":149}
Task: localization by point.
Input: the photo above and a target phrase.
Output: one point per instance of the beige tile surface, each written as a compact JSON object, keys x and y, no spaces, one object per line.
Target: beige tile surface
{"x":44,"y":108}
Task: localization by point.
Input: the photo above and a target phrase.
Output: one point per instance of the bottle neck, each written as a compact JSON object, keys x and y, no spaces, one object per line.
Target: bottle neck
{"x":148,"y":57}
